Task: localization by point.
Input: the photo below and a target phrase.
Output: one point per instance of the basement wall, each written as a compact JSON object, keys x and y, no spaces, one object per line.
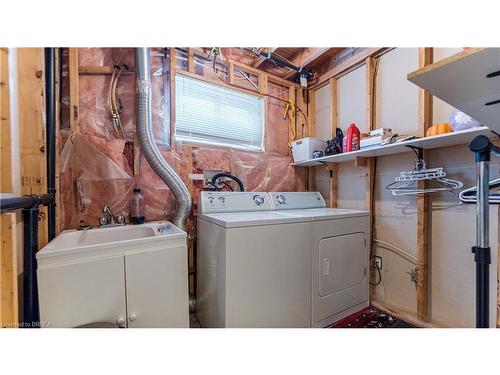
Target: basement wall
{"x":96,"y":166}
{"x":452,"y":225}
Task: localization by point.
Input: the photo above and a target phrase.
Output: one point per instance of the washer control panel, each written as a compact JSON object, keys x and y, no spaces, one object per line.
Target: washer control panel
{"x":222,"y":201}
{"x":296,"y":200}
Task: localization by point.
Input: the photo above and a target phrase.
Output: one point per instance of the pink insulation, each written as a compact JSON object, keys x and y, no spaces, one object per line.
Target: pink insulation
{"x":95,"y":169}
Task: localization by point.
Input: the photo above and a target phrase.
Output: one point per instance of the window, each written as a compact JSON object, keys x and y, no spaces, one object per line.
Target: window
{"x":212,"y":114}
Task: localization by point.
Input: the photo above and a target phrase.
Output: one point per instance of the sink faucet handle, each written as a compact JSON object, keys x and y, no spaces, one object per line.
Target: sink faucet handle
{"x":103,"y":221}
{"x":120,"y":219}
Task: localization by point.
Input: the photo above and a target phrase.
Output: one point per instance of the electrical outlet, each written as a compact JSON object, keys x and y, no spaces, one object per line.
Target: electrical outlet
{"x":377,"y":260}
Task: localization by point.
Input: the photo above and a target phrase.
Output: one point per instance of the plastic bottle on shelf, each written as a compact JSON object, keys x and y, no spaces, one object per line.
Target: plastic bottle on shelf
{"x":351,"y":139}
{"x":137,"y":207}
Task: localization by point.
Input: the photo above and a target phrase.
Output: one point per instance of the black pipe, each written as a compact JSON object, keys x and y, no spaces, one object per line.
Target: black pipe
{"x":25,"y":201}
{"x":31,"y":313}
{"x":50,"y":114}
{"x":29,"y":204}
{"x":219,"y":175}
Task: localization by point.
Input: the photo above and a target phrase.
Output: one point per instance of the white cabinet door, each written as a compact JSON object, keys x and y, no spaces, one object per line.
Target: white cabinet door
{"x":157,"y":288}
{"x":72,"y":295}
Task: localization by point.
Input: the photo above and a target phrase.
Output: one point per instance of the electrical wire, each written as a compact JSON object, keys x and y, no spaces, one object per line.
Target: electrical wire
{"x":226,"y":184}
{"x":379,"y":277}
{"x":286,"y":101}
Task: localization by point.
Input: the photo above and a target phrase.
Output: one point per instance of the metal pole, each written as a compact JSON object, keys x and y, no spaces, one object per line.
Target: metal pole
{"x":31,"y":314}
{"x":482,"y":242}
{"x":482,"y":147}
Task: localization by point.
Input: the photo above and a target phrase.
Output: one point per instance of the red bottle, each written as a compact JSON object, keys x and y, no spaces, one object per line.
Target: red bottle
{"x":351,"y":139}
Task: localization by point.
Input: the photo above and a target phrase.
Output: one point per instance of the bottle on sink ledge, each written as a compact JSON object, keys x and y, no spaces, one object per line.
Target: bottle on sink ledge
{"x":137,"y":207}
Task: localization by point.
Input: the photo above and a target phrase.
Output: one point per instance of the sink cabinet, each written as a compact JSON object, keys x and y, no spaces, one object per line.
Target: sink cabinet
{"x":118,"y":285}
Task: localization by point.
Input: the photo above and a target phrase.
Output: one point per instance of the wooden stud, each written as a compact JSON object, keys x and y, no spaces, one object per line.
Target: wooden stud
{"x":230,"y":73}
{"x":190,"y":60}
{"x":5,"y":146}
{"x":32,"y":128}
{"x":74,"y":91}
{"x":424,"y":122}
{"x":292,"y":95}
{"x":100,"y":70}
{"x":8,"y":274}
{"x":334,"y":123}
{"x":263,"y":83}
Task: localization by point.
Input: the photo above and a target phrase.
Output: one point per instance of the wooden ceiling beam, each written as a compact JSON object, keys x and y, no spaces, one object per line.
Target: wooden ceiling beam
{"x":304,"y":58}
{"x":260,"y":60}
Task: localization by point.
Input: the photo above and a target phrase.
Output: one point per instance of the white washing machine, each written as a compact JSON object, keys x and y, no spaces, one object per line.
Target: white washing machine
{"x":340,"y":255}
{"x":279,"y":260}
{"x":253,"y":264}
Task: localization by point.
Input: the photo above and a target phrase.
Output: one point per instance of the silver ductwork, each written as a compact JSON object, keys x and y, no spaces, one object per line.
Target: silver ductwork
{"x":147,"y":141}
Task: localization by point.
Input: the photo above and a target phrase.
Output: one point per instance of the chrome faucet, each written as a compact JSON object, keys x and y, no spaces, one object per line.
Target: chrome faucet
{"x":111,"y":220}
{"x":108,"y":211}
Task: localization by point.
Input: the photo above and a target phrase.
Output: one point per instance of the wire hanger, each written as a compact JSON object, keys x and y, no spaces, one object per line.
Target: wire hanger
{"x":469,"y":195}
{"x":407,"y":181}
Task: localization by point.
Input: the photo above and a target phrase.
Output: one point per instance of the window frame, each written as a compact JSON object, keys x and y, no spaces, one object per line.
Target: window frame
{"x":225,"y":85}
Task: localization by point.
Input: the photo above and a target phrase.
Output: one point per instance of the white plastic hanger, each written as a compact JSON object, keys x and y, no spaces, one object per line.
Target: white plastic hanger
{"x":469,"y":195}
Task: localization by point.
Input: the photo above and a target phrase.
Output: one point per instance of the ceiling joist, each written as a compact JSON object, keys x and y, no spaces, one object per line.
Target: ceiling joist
{"x":304,"y":58}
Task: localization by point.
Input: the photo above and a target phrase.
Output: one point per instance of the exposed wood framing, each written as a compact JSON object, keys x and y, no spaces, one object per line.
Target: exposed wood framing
{"x":58,"y":142}
{"x":99,"y":70}
{"x":370,"y":121}
{"x":292,"y":95}
{"x":261,"y":59}
{"x":311,"y":132}
{"x":32,"y":128}
{"x":74,"y":90}
{"x":498,"y":274}
{"x":271,"y":77}
{"x":8,"y":263}
{"x":349,"y":64}
{"x":305,"y":57}
{"x":263,"y":83}
{"x":5,"y":147}
{"x":423,"y":211}
{"x":8,"y":274}
{"x":334,"y":121}
{"x":190,"y":60}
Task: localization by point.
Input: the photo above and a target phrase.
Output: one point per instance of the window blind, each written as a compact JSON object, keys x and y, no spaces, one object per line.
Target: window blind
{"x":212,"y":114}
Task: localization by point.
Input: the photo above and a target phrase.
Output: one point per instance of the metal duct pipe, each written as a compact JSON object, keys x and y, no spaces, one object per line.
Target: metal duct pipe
{"x":147,"y":140}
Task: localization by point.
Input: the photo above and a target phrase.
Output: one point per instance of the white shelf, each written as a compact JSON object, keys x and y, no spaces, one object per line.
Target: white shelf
{"x":437,"y":141}
{"x":460,"y":80}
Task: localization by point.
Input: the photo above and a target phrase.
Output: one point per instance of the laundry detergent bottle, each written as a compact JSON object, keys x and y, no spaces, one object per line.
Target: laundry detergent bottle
{"x":351,"y":139}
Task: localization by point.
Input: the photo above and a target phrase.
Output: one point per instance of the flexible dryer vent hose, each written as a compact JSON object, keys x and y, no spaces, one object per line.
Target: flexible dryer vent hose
{"x":147,"y":141}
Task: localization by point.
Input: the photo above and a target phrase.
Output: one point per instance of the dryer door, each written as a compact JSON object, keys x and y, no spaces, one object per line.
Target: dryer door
{"x":342,"y":262}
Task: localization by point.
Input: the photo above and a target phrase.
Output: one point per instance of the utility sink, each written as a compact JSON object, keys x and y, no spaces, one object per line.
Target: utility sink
{"x":126,"y":235}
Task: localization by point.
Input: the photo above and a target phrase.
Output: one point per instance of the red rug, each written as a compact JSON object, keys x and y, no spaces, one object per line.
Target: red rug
{"x":371,"y":317}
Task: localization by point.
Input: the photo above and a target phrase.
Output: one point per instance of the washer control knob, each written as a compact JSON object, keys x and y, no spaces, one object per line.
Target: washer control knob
{"x":258,"y":199}
{"x":280,"y":198}
{"x":221,"y":199}
{"x":132,"y":317}
{"x":211,"y":200}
